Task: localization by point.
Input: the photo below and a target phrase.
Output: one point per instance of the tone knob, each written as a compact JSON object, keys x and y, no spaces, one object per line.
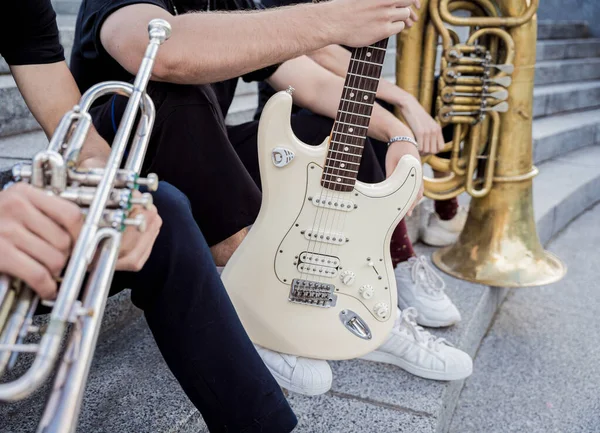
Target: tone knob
{"x":366,"y":291}
{"x":348,"y":277}
{"x":381,"y":310}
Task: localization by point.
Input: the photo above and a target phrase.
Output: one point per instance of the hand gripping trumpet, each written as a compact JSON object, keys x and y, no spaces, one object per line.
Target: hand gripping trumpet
{"x":105,"y":196}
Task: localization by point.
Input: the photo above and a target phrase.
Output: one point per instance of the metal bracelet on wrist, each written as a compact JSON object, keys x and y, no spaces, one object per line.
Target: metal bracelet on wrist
{"x":403,"y":138}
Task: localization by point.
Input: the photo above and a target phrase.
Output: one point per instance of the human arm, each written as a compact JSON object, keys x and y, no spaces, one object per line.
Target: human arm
{"x":207,"y":47}
{"x":427,"y":131}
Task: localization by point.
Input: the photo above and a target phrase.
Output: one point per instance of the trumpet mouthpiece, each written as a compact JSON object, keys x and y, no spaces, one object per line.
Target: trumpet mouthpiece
{"x":159,"y":29}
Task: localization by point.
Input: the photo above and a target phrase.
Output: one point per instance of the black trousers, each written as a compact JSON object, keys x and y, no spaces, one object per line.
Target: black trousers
{"x":197,"y":330}
{"x":214,"y":165}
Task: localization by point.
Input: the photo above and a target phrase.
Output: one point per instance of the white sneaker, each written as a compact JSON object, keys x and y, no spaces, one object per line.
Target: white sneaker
{"x":421,"y":287}
{"x":440,"y":233}
{"x":415,"y":350}
{"x":302,"y":375}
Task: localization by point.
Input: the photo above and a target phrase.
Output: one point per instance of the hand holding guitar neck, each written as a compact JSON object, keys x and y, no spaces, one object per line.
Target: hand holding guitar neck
{"x":361,"y":23}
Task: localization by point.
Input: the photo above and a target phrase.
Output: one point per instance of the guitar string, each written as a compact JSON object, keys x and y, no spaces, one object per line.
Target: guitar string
{"x":358,"y":81}
{"x":345,"y":107}
{"x":334,"y":194}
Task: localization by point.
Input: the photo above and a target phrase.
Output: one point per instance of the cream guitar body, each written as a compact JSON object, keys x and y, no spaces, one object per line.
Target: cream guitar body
{"x":314,"y":276}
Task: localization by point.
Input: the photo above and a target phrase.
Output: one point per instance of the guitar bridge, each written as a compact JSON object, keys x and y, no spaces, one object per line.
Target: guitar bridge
{"x":312,"y":293}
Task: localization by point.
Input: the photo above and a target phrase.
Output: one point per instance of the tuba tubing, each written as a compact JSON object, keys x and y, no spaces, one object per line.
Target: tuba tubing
{"x":491,"y":150}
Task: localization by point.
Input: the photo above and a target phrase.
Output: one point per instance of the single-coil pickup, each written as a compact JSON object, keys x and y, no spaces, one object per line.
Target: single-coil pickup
{"x":322,"y":271}
{"x":333,"y":203}
{"x":320,"y":259}
{"x":325,"y":236}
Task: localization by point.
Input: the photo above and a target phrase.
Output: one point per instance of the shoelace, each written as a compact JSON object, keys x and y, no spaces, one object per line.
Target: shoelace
{"x":408,"y":322}
{"x":424,"y":273}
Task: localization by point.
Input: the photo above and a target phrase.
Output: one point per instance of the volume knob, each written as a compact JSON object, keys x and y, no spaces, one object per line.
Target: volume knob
{"x":381,"y":310}
{"x":366,"y":291}
{"x":348,"y":277}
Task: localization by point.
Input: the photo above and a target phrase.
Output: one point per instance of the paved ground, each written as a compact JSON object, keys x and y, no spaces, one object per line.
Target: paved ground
{"x":537,"y":369}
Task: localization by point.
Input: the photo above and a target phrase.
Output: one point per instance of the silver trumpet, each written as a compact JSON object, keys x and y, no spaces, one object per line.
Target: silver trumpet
{"x":105,"y":196}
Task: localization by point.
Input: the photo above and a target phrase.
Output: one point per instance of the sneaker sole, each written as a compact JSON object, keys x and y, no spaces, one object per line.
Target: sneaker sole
{"x":426,"y":322}
{"x":282,"y":382}
{"x":417,"y":371}
{"x":437,"y":239}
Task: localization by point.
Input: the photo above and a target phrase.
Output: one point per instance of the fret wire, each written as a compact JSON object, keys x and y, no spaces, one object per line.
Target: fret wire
{"x":338,"y":175}
{"x":344,"y":161}
{"x":351,"y":135}
{"x":353,"y":114}
{"x":359,"y":90}
{"x":366,"y":61}
{"x":343,"y":143}
{"x":343,"y":169}
{"x":363,"y":76}
{"x":345,"y":153}
{"x":352,"y":124}
{"x":357,"y":102}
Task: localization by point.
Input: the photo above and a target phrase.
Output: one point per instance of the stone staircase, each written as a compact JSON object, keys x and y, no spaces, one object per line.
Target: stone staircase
{"x":130,"y":388}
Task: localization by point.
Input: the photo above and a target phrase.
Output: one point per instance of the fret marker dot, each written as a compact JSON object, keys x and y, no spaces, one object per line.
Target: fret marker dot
{"x":350,"y":129}
{"x":339,"y":179}
{"x":368,"y":54}
{"x":366,"y":97}
{"x":342,"y":165}
{"x":346,"y":148}
{"x":352,"y":95}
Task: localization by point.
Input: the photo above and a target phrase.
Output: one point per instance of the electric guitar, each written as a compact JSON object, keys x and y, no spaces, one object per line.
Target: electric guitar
{"x":314,"y":276}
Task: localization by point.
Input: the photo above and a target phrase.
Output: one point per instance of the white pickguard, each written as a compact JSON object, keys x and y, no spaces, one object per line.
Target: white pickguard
{"x":259,"y":275}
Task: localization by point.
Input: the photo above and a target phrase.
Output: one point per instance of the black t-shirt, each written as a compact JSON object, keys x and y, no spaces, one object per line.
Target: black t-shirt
{"x":91,"y":64}
{"x":33,"y":37}
{"x":265,"y":91}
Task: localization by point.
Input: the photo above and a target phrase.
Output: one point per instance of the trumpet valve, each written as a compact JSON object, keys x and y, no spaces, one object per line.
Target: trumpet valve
{"x":21,"y":172}
{"x":150,"y":182}
{"x":139,"y":221}
{"x":145,"y":200}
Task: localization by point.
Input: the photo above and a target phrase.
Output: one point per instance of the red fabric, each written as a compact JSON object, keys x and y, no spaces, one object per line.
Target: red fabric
{"x":401,"y":247}
{"x":446,"y":209}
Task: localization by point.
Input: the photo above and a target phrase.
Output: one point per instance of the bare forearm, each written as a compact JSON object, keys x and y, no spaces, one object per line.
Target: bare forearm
{"x":336,"y":59}
{"x":208,"y":47}
{"x":319,"y":91}
{"x":50,"y":92}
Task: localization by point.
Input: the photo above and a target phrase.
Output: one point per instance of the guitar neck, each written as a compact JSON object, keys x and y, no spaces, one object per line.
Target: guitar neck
{"x":354,"y":114}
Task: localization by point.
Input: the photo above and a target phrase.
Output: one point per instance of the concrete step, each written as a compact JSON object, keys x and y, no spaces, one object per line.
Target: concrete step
{"x":131,"y":389}
{"x":566,"y":71}
{"x":530,"y":375}
{"x":559,"y":135}
{"x":568,"y":49}
{"x":563,"y":29}
{"x":15,"y":117}
{"x":562,"y":98}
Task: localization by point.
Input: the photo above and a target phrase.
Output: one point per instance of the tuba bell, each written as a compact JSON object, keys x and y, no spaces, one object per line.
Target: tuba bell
{"x":483,"y":90}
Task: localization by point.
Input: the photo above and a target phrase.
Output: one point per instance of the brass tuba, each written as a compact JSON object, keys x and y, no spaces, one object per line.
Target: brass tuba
{"x":485,"y":79}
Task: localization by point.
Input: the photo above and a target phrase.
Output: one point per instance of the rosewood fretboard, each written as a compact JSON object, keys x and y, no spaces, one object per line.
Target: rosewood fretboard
{"x":353,"y":116}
